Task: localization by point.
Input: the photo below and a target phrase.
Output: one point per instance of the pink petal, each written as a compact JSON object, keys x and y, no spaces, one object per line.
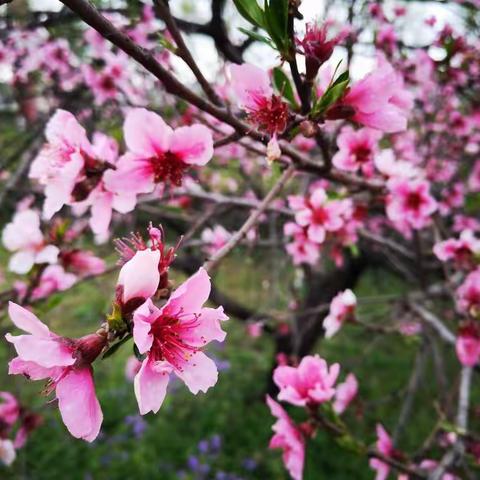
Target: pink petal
{"x":101,"y":213}
{"x":21,"y":262}
{"x":151,"y":386}
{"x":249,"y":82}
{"x":191,"y":294}
{"x":146,"y":133}
{"x":46,"y":352}
{"x":78,"y":404}
{"x":194,"y":145}
{"x":63,"y":129}
{"x":198,"y":373}
{"x":27,"y":321}
{"x":142,"y":324}
{"x":140,"y":276}
{"x":208,"y":328}
{"x":31,"y":370}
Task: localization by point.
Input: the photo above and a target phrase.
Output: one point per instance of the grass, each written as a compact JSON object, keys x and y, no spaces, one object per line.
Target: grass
{"x":234,"y":409}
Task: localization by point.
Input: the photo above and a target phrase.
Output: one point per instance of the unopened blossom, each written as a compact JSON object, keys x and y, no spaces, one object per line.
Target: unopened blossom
{"x":65,"y":363}
{"x":145,"y":268}
{"x":357,"y":150}
{"x":463,"y":250}
{"x":320,"y":215}
{"x":53,"y":279}
{"x":157,"y":153}
{"x":82,"y":262}
{"x":215,"y":238}
{"x":384,"y":446}
{"x":312,"y":382}
{"x":410,"y":203}
{"x":24,"y":237}
{"x":342,"y":309}
{"x":379,"y":100}
{"x":172,"y":338}
{"x":254,"y":93}
{"x":317,"y":47}
{"x":289,"y":438}
{"x":344,"y":393}
{"x":468,"y":294}
{"x":467,"y":344}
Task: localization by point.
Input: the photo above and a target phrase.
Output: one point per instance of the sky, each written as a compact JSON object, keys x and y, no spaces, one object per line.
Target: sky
{"x":204,"y":51}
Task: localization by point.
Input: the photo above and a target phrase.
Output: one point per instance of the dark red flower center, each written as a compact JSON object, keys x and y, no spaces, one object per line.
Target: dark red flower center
{"x":168,"y":168}
{"x":270,"y":114}
{"x":169,"y":343}
{"x":414,"y":201}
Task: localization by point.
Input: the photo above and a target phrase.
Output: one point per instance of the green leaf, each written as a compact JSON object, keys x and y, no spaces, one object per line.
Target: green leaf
{"x":333,"y":93}
{"x":276,"y":17}
{"x":251,"y":12}
{"x":257,"y":36}
{"x":283,"y":85}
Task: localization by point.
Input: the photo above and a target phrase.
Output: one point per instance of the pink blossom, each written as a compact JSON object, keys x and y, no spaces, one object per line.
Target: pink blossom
{"x":157,"y":153}
{"x":53,"y":279}
{"x":409,"y":202}
{"x":320,"y":215}
{"x":9,"y":409}
{"x":474,"y":179}
{"x":310,"y":383}
{"x":215,"y":238}
{"x":60,"y":164}
{"x":380,"y":100}
{"x":301,"y":249}
{"x":357,"y":150}
{"x":255,"y":95}
{"x":7,"y":452}
{"x":462,"y":250}
{"x":289,"y":438}
{"x":467,"y":344}
{"x":66,"y":363}
{"x":384,"y":446}
{"x":342,"y":309}
{"x":23,"y":236}
{"x":389,"y":166}
{"x":431,"y":465}
{"x":172,"y":337}
{"x":103,"y":200}
{"x":254,"y":329}
{"x":316,"y":48}
{"x":345,"y":393}
{"x":468,"y":294}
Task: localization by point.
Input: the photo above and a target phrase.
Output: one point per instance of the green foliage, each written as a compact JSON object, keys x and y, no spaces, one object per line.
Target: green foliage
{"x":332,"y":94}
{"x":283,"y":85}
{"x":273,"y":19}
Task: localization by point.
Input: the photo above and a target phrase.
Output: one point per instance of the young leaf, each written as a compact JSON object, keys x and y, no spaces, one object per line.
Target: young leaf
{"x":257,"y":36}
{"x":251,"y":12}
{"x":283,"y":85}
{"x":333,"y":93}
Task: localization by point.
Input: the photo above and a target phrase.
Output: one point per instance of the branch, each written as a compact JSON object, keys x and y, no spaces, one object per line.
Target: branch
{"x":163,"y":11}
{"x":251,"y":221}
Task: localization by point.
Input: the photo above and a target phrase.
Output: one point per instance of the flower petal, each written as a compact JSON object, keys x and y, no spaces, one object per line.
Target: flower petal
{"x":27,"y":321}
{"x":198,"y":373}
{"x":78,"y":404}
{"x":151,"y":386}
